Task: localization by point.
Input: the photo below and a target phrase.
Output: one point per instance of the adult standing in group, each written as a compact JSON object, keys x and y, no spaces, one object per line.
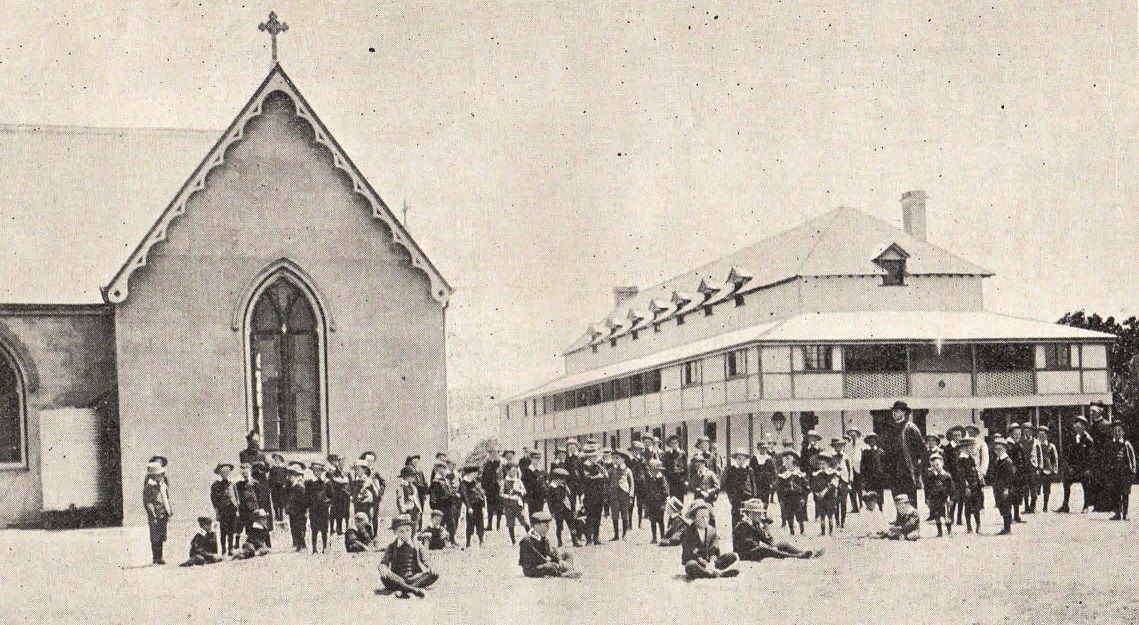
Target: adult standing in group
{"x":1096,"y":488}
{"x":904,"y":455}
{"x":492,"y":486}
{"x":573,"y":466}
{"x":1079,"y":456}
{"x":854,"y":435}
{"x":675,"y":467}
{"x":252,"y":453}
{"x":534,"y":479}
{"x":1118,"y":472}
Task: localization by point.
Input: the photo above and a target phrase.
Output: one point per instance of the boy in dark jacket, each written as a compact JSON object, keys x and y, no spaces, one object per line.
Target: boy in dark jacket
{"x":1002,"y":477}
{"x":434,"y":536}
{"x":700,"y":549}
{"x":474,"y":499}
{"x":319,"y":500}
{"x":792,"y":486}
{"x":297,"y":505}
{"x":655,"y":495}
{"x":248,"y":501}
{"x":256,"y":537}
{"x":752,"y":541}
{"x":223,"y":495}
{"x":340,"y":494}
{"x":360,"y":537}
{"x":204,"y":544}
{"x":939,"y":491}
{"x":559,"y":499}
{"x":873,"y":476}
{"x":970,"y":485}
{"x":538,"y":558}
{"x":739,"y":483}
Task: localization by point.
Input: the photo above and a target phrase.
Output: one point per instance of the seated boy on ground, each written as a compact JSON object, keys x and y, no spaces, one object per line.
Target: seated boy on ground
{"x":360,"y":537}
{"x":752,"y":541}
{"x":403,"y":570}
{"x":256,"y":537}
{"x":907,"y":526}
{"x":434,"y":535}
{"x":204,"y":544}
{"x":700,"y":549}
{"x":540,"y":559}
{"x":675,"y":523}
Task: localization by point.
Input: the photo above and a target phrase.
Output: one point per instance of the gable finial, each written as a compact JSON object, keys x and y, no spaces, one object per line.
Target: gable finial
{"x":274,"y":27}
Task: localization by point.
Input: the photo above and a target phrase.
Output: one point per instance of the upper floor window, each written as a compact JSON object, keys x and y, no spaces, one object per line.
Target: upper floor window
{"x":652,"y":381}
{"x":692,"y":373}
{"x":735,"y":364}
{"x":893,"y":261}
{"x":11,"y":412}
{"x":1061,"y":356}
{"x":817,"y":358}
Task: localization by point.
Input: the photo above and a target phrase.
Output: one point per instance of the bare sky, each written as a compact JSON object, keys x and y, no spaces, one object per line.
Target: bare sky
{"x":550,"y":151}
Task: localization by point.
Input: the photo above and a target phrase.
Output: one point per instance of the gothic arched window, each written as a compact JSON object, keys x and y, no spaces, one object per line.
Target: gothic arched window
{"x":11,"y":411}
{"x":285,"y":339}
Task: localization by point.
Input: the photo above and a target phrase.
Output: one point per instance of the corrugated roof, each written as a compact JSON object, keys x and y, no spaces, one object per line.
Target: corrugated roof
{"x":842,"y":242}
{"x":844,"y":327}
{"x":75,"y":201}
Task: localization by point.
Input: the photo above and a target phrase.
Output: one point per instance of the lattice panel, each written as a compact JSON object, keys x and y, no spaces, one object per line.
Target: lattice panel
{"x":1005,"y":383}
{"x":858,"y":385}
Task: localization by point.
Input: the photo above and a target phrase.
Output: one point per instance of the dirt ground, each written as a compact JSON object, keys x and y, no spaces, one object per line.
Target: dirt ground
{"x":1056,"y":568}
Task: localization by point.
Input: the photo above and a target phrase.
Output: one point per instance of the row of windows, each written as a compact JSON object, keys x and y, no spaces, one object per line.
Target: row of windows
{"x":880,"y":358}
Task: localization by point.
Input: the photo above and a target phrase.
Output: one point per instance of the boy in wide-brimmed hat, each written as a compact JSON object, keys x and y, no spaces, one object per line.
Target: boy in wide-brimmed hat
{"x":407,"y":496}
{"x":595,"y":482}
{"x":296,"y":507}
{"x":873,"y":476}
{"x":704,"y":484}
{"x":434,"y":536}
{"x":340,"y":493}
{"x":792,"y":485}
{"x":844,"y":469}
{"x":655,"y":495}
{"x":739,"y":482}
{"x":764,"y":466}
{"x":1050,"y":463}
{"x":403,"y":567}
{"x":204,"y":544}
{"x":752,"y":540}
{"x":939,"y":493}
{"x":675,"y":522}
{"x":700,"y":550}
{"x":223,"y":496}
{"x":1119,"y":471}
{"x":621,"y":487}
{"x":540,"y":559}
{"x":824,"y":488}
{"x":970,"y":484}
{"x":319,"y":503}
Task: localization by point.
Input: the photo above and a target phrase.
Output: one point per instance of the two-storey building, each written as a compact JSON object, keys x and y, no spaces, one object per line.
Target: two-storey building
{"x":821,"y":327}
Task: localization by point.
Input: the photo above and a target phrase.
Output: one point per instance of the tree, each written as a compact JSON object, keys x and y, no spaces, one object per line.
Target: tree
{"x":478,"y":454}
{"x":1122,"y":360}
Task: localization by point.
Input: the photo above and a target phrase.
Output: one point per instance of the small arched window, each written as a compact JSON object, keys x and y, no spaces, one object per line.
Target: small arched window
{"x":11,"y":412}
{"x":285,"y":339}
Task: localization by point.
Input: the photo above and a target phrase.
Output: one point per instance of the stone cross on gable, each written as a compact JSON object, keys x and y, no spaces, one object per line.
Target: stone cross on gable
{"x":274,"y":27}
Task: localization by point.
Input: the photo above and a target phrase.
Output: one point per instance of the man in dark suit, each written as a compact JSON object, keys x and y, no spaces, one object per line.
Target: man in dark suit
{"x":1079,"y":456}
{"x":538,"y":558}
{"x":700,"y":549}
{"x":675,"y":467}
{"x":905,"y":458}
{"x":873,"y":473}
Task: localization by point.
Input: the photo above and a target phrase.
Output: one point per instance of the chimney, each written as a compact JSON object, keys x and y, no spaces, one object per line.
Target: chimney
{"x":913,"y":213}
{"x":623,"y":294}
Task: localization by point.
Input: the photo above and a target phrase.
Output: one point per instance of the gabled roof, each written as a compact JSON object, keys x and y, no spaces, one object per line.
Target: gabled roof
{"x":842,"y":242}
{"x":277,"y":81}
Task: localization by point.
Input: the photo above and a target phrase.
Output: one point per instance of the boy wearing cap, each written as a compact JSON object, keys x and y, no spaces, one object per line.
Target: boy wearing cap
{"x":1119,"y":470}
{"x":907,"y":525}
{"x":704,"y":485}
{"x":156,"y":502}
{"x":360,"y":537}
{"x":339,"y":490}
{"x":224,"y":499}
{"x":434,"y":534}
{"x":655,"y":495}
{"x":939,"y":491}
{"x":675,"y":523}
{"x":1049,"y":463}
{"x":318,"y":506}
{"x":513,"y":494}
{"x":538,"y":558}
{"x":473,"y":497}
{"x":752,"y":540}
{"x":204,"y":544}
{"x":739,"y":483}
{"x":792,"y":486}
{"x":403,"y":568}
{"x":700,"y":549}
{"x":594,"y":486}
{"x":873,"y":473}
{"x":1002,"y":477}
{"x":824,"y":488}
{"x":442,"y":496}
{"x":561,"y":507}
{"x":407,"y":496}
{"x":256,"y":537}
{"x":297,"y":505}
{"x":970,"y":485}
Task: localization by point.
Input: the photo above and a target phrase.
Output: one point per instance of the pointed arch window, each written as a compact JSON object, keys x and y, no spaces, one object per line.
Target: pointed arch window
{"x":286,"y":339}
{"x":12,"y":449}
